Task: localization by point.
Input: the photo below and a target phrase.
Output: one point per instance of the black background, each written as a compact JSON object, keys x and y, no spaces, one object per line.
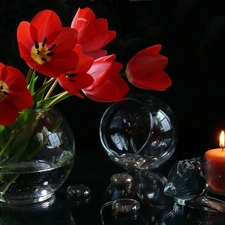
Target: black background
{"x":192,"y":34}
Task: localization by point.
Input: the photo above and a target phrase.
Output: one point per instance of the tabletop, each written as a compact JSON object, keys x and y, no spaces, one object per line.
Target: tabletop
{"x":96,"y":174}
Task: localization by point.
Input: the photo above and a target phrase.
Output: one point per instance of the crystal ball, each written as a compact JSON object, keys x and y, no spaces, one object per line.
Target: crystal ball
{"x":139,"y":133}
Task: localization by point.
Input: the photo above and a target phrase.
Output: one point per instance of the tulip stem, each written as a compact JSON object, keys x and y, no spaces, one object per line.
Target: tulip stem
{"x":51,"y":89}
{"x":43,"y":87}
{"x":29,"y":74}
{"x":5,"y":148}
{"x":61,"y":97}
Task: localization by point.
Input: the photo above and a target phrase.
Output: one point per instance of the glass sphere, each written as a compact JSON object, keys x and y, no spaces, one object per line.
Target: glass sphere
{"x":139,"y":133}
{"x":46,"y":153}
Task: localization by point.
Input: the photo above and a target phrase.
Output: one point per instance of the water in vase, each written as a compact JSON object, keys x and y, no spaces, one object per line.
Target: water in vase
{"x":36,"y":180}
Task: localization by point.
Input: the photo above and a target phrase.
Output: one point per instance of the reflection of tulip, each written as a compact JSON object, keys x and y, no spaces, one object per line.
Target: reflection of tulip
{"x":93,"y":34}
{"x":14,"y":95}
{"x":145,"y":69}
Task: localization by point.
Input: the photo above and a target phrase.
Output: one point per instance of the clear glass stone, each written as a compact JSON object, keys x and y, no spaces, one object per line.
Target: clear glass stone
{"x":186,"y":179}
{"x":121,"y":179}
{"x":125,"y":205}
{"x":78,"y":191}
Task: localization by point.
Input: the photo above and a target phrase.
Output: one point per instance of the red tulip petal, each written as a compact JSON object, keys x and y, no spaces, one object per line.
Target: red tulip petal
{"x":46,"y":22}
{"x":99,"y":72}
{"x":79,"y":81}
{"x":98,"y":35}
{"x":146,"y":62}
{"x":107,"y":86}
{"x":1,"y":67}
{"x":13,"y":78}
{"x":110,"y":91}
{"x":115,"y":69}
{"x":93,"y":34}
{"x":155,"y":49}
{"x":85,"y":14}
{"x":78,"y":94}
{"x":61,"y":63}
{"x":65,"y":39}
{"x":22,"y":100}
{"x":19,"y":96}
{"x":144,"y":70}
{"x":84,"y":64}
{"x":109,"y":58}
{"x":122,"y":86}
{"x":97,"y":53}
{"x":158,"y":80}
{"x":46,"y":27}
{"x":78,"y":49}
{"x":8,"y":113}
{"x":23,"y":35}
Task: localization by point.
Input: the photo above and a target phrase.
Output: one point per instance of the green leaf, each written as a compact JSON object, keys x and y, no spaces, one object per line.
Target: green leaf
{"x":46,"y":102}
{"x":16,"y":137}
{"x":34,"y":145}
{"x":19,"y":144}
{"x":40,"y":95}
{"x":1,"y":128}
{"x":33,"y":80}
{"x":5,"y":136}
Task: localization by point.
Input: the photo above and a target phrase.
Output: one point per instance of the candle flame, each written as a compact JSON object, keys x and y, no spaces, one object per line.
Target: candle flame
{"x":222,"y":144}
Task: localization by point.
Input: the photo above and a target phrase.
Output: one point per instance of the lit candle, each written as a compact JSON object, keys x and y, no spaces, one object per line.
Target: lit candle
{"x":215,"y":167}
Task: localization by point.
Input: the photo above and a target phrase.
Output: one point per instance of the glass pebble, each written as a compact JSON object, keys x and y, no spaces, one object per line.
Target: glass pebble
{"x":186,"y":179}
{"x":78,"y":191}
{"x":121,"y":179}
{"x":150,"y":190}
{"x":125,"y":205}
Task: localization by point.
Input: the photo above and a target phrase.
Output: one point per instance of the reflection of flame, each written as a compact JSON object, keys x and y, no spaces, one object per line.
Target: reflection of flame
{"x":222,"y":139}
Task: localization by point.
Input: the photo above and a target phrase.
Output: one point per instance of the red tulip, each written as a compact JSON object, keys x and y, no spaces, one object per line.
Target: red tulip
{"x":78,"y":78}
{"x":93,"y":34}
{"x":145,"y":69}
{"x":107,"y":85}
{"x":46,"y":46}
{"x":14,"y":95}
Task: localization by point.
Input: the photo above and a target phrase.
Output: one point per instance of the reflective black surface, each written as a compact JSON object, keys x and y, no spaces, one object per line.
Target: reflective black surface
{"x":93,"y":169}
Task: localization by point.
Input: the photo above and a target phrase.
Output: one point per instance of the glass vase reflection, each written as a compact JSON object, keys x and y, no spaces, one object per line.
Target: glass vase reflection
{"x":139,"y":133}
{"x":45,"y":213}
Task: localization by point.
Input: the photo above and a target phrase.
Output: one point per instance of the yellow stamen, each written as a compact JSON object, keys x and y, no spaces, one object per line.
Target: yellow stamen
{"x":3,"y":90}
{"x":41,"y":53}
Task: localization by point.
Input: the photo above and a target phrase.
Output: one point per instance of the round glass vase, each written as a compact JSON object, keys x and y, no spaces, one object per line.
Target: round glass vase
{"x":37,"y":157}
{"x":139,"y":133}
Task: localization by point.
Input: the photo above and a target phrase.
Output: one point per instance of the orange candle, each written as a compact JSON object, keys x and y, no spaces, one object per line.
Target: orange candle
{"x":215,"y":167}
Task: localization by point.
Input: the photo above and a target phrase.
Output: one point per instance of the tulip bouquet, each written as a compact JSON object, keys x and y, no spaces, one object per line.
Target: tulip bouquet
{"x":73,"y":58}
